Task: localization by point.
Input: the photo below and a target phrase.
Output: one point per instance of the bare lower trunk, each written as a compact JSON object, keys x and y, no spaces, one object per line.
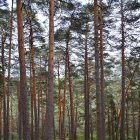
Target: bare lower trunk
{"x":23,"y":86}
{"x":86,"y":90}
{"x":97,"y":75}
{"x":133,"y":116}
{"x":64,"y":98}
{"x":49,"y":112}
{"x":59,"y":104}
{"x":71,"y":99}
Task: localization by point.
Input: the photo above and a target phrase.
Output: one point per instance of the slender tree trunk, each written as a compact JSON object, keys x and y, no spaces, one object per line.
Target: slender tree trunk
{"x":12,"y":122}
{"x":109,"y":129}
{"x":71,"y":98}
{"x":127,"y":121}
{"x":33,"y":72}
{"x":9,"y":64}
{"x":112,"y":123}
{"x":31,"y":94}
{"x":64,"y":97}
{"x":69,"y":122}
{"x":133,"y":116}
{"x":91,"y":129}
{"x":86,"y":90}
{"x":91,"y":121}
{"x":122,"y":126}
{"x":76,"y":118}
{"x":32,"y":115}
{"x":39,"y":96}
{"x":39,"y":99}
{"x":3,"y":88}
{"x":23,"y":86}
{"x":49,"y":111}
{"x":102,"y":70}
{"x":33,"y":82}
{"x":39,"y":93}
{"x":19,"y":114}
{"x":59,"y":104}
{"x":42,"y":122}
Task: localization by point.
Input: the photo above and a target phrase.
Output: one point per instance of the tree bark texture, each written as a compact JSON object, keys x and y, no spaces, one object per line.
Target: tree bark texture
{"x":50,"y":113}
{"x":23,"y":86}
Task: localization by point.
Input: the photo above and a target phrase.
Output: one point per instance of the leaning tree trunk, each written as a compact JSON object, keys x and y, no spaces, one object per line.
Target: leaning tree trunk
{"x":23,"y":86}
{"x":49,"y":111}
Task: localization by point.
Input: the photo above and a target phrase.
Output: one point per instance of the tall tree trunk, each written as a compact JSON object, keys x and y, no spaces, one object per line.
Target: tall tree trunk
{"x":19,"y":114}
{"x":42,"y":122}
{"x":102,"y":70}
{"x":49,"y":111}
{"x":64,"y":97}
{"x":91,"y":121}
{"x":9,"y":64}
{"x":3,"y":88}
{"x":127,"y":120}
{"x":97,"y":75}
{"x":23,"y":86}
{"x":112,"y":123}
{"x":33,"y":80}
{"x":109,"y":128}
{"x":39,"y":100}
{"x":71,"y":96}
{"x":12,"y":121}
{"x":59,"y":103}
{"x":86,"y":90}
{"x":133,"y":116}
{"x":31,"y":94}
{"x":39,"y":94}
{"x":122,"y":126}
{"x":69,"y":122}
{"x":76,"y":118}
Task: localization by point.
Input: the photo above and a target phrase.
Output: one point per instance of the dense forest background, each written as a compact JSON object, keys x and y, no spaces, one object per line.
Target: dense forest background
{"x":70,"y":70}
